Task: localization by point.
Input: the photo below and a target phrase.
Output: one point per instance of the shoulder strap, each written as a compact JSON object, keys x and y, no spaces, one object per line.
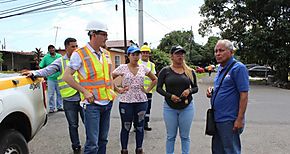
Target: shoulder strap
{"x":216,"y":91}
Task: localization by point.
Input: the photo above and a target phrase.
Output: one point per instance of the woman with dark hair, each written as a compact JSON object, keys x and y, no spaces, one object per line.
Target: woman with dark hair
{"x":133,"y":99}
{"x":178,"y":109}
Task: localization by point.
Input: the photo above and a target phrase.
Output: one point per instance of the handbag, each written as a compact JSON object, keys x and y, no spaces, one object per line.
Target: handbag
{"x":210,"y":128}
{"x":210,"y":125}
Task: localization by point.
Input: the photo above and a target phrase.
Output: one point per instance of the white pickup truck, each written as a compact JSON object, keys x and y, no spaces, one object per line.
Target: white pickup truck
{"x":22,"y":112}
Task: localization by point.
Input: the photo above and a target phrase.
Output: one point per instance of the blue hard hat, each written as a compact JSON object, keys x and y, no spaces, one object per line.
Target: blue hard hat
{"x":132,"y":49}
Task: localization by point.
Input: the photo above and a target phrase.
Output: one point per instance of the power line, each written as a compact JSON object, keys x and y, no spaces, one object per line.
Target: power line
{"x":1,"y":2}
{"x":68,"y":4}
{"x":67,"y":7}
{"x":26,"y":6}
{"x":46,"y":8}
{"x":156,"y":20}
{"x":33,"y":10}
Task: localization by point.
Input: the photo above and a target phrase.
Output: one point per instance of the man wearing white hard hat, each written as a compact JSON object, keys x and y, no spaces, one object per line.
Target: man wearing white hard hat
{"x":93,"y":65}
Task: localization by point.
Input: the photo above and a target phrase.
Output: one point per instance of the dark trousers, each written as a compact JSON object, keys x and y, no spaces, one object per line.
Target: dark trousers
{"x":128,"y":113}
{"x":72,"y":109}
{"x":147,"y":116}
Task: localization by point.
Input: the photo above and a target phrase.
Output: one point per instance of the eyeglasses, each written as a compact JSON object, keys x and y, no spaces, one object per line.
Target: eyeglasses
{"x":101,"y":33}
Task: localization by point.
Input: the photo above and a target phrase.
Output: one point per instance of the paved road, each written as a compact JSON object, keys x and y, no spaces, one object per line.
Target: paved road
{"x":267,"y":130}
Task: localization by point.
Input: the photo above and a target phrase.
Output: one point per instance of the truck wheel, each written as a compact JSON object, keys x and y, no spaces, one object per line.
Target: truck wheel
{"x":12,"y":142}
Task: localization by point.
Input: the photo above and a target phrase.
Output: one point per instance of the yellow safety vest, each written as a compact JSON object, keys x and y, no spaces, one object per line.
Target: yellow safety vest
{"x":98,"y":77}
{"x":147,"y":80}
{"x":64,"y":88}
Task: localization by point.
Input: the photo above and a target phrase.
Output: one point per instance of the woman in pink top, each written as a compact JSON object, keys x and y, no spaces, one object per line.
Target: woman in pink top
{"x":133,"y":99}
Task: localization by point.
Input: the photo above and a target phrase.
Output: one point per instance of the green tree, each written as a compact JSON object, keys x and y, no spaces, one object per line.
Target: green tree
{"x":1,"y":60}
{"x":185,"y":39}
{"x":160,"y":59}
{"x":37,"y":56}
{"x":208,"y":50}
{"x":261,"y":28}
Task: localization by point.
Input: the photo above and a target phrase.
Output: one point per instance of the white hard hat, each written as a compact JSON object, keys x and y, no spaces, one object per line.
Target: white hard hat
{"x":97,"y":26}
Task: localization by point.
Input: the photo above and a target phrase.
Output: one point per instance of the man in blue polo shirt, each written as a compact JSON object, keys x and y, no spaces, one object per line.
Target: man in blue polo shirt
{"x":231,"y":100}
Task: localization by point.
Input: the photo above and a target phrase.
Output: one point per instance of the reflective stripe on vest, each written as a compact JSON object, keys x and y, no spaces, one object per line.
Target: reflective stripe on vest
{"x":64,"y":88}
{"x":98,"y":79}
{"x":147,"y":80}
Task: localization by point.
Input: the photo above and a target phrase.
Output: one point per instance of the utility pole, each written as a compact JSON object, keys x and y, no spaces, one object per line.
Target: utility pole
{"x":190,"y":45}
{"x":124,"y":21}
{"x":56,"y":27}
{"x":140,"y":23}
{"x":125,"y":32}
{"x":4,"y":45}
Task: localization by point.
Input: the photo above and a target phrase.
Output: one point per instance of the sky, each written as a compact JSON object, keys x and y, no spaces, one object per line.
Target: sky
{"x":38,"y":30}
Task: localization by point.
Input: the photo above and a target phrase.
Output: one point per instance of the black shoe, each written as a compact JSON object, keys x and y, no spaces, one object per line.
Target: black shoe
{"x":77,"y":150}
{"x":60,"y":109}
{"x":146,"y":127}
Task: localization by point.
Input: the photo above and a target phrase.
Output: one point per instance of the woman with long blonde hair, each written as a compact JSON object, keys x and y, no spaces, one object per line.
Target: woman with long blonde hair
{"x":178,"y":109}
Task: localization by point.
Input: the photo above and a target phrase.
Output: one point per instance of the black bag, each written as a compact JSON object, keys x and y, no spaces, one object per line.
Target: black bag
{"x":210,"y":125}
{"x":210,"y":128}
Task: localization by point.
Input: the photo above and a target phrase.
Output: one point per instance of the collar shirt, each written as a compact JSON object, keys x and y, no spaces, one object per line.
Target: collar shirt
{"x":97,"y":54}
{"x":76,"y":61}
{"x":54,"y":67}
{"x":77,"y":65}
{"x":65,"y":57}
{"x":46,"y":61}
{"x":226,"y":103}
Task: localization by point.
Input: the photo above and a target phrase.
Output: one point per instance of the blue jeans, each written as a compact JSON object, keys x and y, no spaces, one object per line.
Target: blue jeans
{"x":226,"y":141}
{"x":97,"y":123}
{"x":53,"y":88}
{"x":128,"y":112}
{"x":72,"y":109}
{"x":178,"y":119}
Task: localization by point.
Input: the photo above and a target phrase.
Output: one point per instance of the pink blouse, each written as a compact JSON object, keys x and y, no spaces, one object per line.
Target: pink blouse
{"x":135,"y":83}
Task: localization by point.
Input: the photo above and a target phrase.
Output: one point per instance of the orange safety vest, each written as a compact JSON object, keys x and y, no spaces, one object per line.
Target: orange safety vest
{"x":98,"y":77}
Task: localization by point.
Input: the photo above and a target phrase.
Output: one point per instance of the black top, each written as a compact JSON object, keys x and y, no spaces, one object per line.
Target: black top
{"x":175,"y":84}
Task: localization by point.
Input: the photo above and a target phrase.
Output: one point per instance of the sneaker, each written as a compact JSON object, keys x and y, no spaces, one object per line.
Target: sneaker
{"x":77,"y":150}
{"x":146,"y":127}
{"x":60,"y":109}
{"x":51,"y":111}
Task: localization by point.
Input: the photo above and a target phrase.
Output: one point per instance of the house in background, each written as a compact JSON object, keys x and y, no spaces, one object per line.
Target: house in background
{"x":116,"y":48}
{"x":16,"y":61}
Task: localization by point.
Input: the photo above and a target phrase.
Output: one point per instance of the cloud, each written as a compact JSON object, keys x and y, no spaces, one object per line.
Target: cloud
{"x":38,"y":30}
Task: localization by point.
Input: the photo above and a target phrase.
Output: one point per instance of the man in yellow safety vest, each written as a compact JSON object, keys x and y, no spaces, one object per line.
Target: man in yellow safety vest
{"x":70,"y":96}
{"x":145,"y":53}
{"x":92,"y":62}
